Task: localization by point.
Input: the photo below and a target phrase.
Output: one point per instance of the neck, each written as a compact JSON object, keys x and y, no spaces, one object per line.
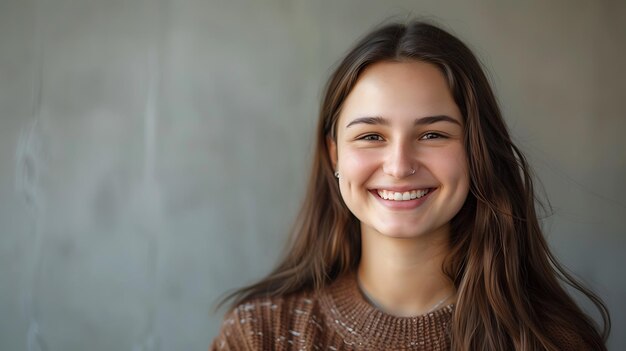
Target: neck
{"x":403,"y":276}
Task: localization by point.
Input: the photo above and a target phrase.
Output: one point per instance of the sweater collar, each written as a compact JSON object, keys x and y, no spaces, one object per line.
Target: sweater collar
{"x":359,"y":323}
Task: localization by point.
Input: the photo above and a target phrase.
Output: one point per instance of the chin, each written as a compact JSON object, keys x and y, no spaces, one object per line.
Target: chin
{"x":408,"y":230}
{"x":400,"y":233}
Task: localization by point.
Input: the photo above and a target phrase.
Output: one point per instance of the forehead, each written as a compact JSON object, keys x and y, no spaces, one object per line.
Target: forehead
{"x":398,"y":91}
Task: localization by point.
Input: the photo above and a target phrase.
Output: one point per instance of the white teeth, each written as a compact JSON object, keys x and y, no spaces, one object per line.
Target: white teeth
{"x":404,"y":196}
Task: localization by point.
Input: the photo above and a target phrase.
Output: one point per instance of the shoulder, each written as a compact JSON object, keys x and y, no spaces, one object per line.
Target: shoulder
{"x":263,"y":322}
{"x":566,"y":339}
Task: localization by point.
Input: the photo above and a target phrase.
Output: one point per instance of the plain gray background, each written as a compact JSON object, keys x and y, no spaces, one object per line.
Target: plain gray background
{"x":153,"y":154}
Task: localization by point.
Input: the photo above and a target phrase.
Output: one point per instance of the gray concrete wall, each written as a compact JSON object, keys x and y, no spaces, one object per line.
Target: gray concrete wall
{"x":153,"y":153}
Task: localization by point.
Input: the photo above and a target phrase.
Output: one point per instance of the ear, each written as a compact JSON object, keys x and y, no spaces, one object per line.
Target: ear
{"x":331,"y":145}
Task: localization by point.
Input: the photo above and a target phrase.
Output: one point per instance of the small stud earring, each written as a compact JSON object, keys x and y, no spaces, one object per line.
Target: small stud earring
{"x":337,"y":174}
{"x":412,"y":171}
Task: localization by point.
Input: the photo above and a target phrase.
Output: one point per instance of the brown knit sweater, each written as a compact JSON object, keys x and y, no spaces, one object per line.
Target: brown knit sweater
{"x":338,"y":318}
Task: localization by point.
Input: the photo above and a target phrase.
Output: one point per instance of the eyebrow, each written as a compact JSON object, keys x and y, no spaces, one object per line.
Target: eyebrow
{"x":418,"y":121}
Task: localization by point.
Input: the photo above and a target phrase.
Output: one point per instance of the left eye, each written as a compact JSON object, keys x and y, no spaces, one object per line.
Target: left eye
{"x":431,"y":136}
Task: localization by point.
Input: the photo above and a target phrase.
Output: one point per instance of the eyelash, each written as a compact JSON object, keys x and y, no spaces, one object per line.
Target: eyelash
{"x":437,"y":136}
{"x":425,"y":136}
{"x":367,"y":136}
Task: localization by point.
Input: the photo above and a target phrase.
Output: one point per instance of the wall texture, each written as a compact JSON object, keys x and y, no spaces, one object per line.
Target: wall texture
{"x":153,"y":153}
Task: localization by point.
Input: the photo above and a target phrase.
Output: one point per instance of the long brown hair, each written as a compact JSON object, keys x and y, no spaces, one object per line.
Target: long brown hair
{"x":508,"y":281}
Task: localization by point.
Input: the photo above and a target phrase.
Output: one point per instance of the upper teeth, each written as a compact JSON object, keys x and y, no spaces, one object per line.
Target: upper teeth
{"x":407,"y":195}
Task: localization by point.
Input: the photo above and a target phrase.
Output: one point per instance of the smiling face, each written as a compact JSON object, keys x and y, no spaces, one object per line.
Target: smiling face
{"x":399,"y":151}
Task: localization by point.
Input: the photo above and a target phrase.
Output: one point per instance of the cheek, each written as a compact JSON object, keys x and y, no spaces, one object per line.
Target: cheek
{"x":453,"y":168}
{"x":357,"y":165}
{"x":460,"y":173}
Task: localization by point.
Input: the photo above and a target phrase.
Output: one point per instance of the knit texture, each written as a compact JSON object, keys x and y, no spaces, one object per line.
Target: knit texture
{"x":338,"y":318}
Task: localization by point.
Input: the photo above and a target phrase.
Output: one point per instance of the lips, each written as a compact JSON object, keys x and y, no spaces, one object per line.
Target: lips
{"x":391,"y":203}
{"x":402,"y":195}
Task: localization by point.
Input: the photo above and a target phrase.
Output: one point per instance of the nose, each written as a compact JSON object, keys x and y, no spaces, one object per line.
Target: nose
{"x":399,"y":162}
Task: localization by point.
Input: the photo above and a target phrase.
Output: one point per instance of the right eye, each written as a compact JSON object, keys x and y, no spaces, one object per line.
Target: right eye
{"x":371,"y":137}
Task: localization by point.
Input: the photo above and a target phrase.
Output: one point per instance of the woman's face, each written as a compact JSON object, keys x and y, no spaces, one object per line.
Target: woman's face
{"x":399,"y":151}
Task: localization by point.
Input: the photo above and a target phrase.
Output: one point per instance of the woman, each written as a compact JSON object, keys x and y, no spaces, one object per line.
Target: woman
{"x":419,"y":228}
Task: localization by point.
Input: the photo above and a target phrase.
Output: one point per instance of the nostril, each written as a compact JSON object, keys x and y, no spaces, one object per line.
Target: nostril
{"x":399,"y":172}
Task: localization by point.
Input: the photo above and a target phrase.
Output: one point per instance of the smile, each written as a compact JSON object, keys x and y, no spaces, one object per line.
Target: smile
{"x":402,"y":196}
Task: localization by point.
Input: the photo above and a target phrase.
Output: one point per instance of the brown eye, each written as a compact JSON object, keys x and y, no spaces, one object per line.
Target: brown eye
{"x":371,"y":137}
{"x":428,"y":136}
